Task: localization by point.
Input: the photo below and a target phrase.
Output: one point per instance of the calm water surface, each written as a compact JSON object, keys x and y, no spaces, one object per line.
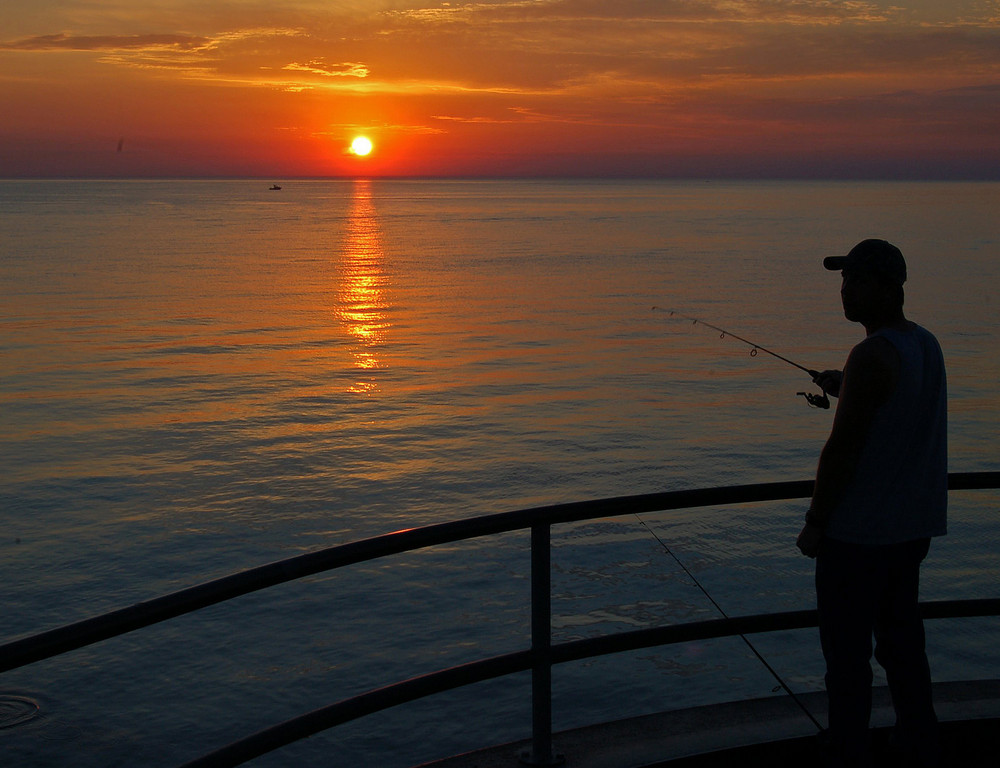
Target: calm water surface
{"x":201,"y":377}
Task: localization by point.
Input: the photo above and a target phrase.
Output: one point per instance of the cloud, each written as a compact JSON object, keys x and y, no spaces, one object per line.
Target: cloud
{"x":339,"y":129}
{"x":346,"y":69}
{"x":66,"y":42}
{"x":648,"y":11}
{"x":558,"y":46}
{"x":614,"y":50}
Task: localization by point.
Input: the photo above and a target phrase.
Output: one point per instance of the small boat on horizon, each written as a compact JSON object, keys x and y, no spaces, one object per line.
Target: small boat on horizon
{"x":275,"y":186}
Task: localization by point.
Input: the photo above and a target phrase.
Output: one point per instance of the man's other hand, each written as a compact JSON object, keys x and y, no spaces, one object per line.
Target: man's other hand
{"x":809,"y":539}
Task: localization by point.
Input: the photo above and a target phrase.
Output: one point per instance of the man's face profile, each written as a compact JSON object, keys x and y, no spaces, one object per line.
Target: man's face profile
{"x":862,"y":293}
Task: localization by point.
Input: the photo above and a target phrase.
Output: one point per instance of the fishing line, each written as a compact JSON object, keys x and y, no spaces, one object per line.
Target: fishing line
{"x":817,"y":401}
{"x":724,"y":615}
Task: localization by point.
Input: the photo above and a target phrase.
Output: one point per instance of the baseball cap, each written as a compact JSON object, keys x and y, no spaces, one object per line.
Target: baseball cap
{"x":874,"y":255}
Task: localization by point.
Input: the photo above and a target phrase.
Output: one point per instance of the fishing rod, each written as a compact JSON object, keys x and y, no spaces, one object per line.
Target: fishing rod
{"x":783,"y":685}
{"x":817,"y":401}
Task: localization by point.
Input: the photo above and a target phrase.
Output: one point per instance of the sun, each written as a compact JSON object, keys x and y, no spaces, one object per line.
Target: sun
{"x":361,"y":146}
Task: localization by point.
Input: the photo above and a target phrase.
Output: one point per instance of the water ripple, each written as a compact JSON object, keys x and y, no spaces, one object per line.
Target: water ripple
{"x":17,"y":710}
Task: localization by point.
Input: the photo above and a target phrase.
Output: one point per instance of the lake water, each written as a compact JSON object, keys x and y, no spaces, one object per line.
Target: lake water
{"x":199,"y":377}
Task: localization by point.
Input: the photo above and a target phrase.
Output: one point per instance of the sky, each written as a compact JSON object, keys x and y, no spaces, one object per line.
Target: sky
{"x":662,"y":88}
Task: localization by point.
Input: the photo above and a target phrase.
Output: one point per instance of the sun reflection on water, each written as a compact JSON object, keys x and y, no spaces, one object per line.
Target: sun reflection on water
{"x":361,"y":302}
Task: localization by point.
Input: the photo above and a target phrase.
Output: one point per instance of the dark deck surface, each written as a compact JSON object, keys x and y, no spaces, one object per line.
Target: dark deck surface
{"x":967,"y":744}
{"x":772,"y":732}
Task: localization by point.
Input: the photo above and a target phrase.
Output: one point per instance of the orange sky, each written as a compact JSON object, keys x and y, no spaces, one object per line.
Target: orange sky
{"x":268,"y":88}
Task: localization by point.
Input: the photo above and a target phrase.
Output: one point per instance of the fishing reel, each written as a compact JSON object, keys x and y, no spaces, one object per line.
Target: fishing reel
{"x":816,"y":401}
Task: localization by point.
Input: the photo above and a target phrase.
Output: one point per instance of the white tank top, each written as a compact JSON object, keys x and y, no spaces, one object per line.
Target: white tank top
{"x":899,"y":491}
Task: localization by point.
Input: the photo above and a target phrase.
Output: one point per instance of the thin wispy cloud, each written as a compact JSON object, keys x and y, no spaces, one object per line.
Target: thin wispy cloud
{"x":321,"y":68}
{"x":65,"y":42}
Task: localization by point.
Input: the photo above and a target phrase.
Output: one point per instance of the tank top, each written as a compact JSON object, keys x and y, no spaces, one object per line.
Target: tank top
{"x":899,"y":491}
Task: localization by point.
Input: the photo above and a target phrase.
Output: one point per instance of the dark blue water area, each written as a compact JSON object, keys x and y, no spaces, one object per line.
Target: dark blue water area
{"x":204,"y":379}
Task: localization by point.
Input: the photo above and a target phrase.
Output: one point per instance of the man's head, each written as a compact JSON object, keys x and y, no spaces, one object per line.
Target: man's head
{"x":877,"y":256}
{"x":872,"y":289}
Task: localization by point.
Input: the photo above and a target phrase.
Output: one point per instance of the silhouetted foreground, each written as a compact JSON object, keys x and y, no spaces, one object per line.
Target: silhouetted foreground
{"x":967,"y":744}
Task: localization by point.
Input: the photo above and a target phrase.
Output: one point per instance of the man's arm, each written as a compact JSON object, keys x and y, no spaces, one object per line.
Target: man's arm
{"x":869,"y":379}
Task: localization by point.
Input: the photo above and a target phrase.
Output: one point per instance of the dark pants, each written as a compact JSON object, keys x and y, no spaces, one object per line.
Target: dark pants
{"x":866,"y":591}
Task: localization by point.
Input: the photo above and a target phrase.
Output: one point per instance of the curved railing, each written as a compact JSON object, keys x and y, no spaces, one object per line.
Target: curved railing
{"x":539,"y":658}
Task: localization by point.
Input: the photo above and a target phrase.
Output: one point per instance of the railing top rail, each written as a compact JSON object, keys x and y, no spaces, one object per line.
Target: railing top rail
{"x":44,"y":645}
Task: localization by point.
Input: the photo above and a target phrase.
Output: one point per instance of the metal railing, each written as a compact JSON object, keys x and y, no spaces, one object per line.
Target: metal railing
{"x":539,"y":658}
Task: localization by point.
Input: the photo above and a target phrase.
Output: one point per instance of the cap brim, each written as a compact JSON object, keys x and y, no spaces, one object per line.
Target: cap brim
{"x":836,"y":262}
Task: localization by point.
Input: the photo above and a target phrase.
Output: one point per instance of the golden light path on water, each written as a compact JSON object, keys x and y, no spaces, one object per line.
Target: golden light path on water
{"x":361,"y":301}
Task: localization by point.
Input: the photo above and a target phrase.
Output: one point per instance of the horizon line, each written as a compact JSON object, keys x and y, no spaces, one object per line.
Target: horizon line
{"x":986,"y":178}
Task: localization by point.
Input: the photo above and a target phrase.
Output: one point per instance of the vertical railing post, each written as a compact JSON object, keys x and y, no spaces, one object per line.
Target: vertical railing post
{"x":541,"y":752}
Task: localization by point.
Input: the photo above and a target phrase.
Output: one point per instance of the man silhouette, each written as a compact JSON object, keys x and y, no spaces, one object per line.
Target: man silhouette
{"x":880,"y":495}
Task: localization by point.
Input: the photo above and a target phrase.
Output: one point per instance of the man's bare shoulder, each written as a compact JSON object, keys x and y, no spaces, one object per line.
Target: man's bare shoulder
{"x":874,"y":365}
{"x":874,"y":350}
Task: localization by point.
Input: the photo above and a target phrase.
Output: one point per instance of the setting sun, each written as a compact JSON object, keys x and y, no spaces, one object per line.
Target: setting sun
{"x":361,"y":146}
